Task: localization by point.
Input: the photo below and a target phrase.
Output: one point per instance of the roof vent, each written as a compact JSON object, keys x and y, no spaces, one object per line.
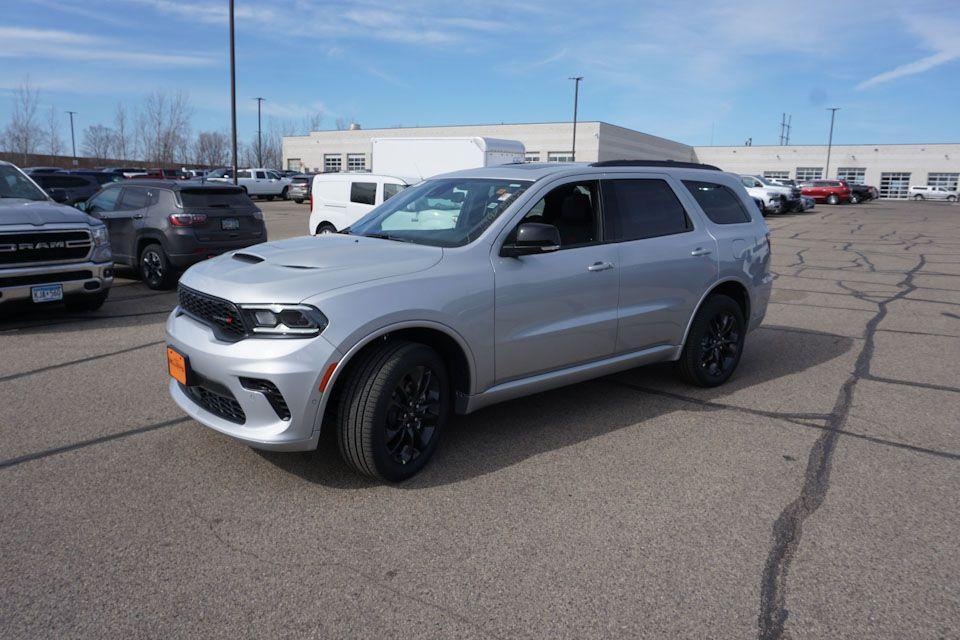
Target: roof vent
{"x":354,"y":126}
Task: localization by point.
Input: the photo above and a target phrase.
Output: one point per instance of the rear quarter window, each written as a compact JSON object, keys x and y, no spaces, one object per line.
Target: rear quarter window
{"x":720,"y":204}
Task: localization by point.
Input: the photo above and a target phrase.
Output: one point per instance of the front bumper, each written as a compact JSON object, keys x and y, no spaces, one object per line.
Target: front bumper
{"x":294,"y":366}
{"x":77,"y":278}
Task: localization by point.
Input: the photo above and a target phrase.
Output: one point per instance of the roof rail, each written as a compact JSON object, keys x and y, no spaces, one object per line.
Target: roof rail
{"x":654,"y":163}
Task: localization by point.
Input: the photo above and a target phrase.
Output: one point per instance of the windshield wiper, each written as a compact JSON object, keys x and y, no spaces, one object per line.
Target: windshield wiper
{"x":385,"y":236}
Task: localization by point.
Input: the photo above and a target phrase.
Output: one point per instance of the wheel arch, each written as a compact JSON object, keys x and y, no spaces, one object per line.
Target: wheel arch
{"x":143,"y":239}
{"x":730,"y":287}
{"x":445,"y":341}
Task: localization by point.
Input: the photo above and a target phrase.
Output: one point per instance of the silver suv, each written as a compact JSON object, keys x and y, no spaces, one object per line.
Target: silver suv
{"x":468,"y":289}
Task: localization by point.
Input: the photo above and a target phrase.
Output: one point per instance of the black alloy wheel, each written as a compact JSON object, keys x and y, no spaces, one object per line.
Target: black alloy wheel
{"x":394,"y":403}
{"x":155,"y":269}
{"x":714,"y":344}
{"x":720,"y":345}
{"x":413,"y":414}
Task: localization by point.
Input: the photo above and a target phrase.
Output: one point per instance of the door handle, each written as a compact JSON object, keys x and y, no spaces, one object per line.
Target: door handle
{"x":138,"y":216}
{"x":600,"y":266}
{"x":700,"y":251}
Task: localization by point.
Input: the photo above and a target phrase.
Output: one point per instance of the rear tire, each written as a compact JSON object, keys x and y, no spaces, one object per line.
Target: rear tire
{"x":392,"y":411}
{"x":299,"y":200}
{"x":88,"y":303}
{"x":283,"y":194}
{"x":951,"y":198}
{"x":269,"y":198}
{"x":155,"y":269}
{"x":715,"y":343}
{"x":918,"y":197}
{"x":325,"y":227}
{"x":833,"y":199}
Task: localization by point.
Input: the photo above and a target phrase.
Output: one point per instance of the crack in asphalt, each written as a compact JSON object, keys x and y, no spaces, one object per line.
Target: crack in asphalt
{"x":788,"y":528}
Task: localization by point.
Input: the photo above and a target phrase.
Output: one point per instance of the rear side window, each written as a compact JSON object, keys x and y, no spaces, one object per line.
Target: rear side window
{"x":720,"y":204}
{"x":134,"y":198}
{"x":636,"y":209}
{"x":363,"y":192}
{"x":215,"y":198}
{"x":106,"y":200}
{"x":390,"y":190}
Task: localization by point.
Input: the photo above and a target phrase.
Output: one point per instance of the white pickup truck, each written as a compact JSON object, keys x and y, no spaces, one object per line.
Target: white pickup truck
{"x":773,"y":198}
{"x":260,"y":182}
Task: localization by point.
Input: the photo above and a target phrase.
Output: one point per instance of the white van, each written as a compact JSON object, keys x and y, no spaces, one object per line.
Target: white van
{"x":337,"y":200}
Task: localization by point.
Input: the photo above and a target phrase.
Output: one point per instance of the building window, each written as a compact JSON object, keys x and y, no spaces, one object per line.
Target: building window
{"x":946,"y":180}
{"x":356,"y":162}
{"x":331,"y":162}
{"x":777,"y":175}
{"x":894,"y":184}
{"x":532,"y":156}
{"x":853,"y":175}
{"x":809,"y":173}
{"x":294,"y":164}
{"x":560,"y":156}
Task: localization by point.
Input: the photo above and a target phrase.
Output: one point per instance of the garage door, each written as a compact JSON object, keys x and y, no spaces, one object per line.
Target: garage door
{"x":894,"y":185}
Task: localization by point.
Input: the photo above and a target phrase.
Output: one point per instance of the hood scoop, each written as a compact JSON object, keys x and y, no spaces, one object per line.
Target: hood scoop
{"x":249,"y":258}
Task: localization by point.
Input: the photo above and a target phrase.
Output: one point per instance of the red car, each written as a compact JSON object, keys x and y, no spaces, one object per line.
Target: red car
{"x":829,"y":191}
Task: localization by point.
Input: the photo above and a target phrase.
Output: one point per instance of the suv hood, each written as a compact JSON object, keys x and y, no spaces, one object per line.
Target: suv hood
{"x":41,"y":212}
{"x":299,"y":268}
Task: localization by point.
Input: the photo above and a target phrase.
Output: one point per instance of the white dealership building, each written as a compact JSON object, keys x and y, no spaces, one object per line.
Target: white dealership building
{"x":890,"y":167}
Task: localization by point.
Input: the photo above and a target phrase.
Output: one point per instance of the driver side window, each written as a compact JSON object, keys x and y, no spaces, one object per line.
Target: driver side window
{"x":105,"y":201}
{"x":572,"y":208}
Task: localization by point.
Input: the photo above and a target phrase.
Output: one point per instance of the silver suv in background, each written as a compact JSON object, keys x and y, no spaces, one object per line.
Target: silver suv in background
{"x":465,"y":290}
{"x":48,"y":251}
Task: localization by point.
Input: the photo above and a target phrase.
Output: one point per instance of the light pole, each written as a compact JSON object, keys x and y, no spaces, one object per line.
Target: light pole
{"x":73,"y":139}
{"x":833,"y":114}
{"x":259,"y":134}
{"x":233,"y":96}
{"x":576,"y":99}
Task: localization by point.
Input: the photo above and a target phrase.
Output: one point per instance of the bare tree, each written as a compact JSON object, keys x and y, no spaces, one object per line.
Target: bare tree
{"x":212,"y":148}
{"x":98,"y":141}
{"x":24,"y":134}
{"x":164,"y":127}
{"x":312,"y":122}
{"x":342,"y":123}
{"x":124,"y":142}
{"x":54,"y":141}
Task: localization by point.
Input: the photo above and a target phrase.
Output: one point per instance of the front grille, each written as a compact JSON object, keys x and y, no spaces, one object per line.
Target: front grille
{"x":222,"y":315}
{"x":45,"y":278}
{"x":25,"y":247}
{"x":221,"y":404}
{"x":271,"y":393}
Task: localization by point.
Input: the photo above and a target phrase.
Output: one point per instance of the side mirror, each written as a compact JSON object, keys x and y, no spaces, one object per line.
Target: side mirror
{"x":532,"y":238}
{"x":57,"y":195}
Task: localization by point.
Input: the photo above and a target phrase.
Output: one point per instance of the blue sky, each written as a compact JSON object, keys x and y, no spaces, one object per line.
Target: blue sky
{"x":688,"y":71}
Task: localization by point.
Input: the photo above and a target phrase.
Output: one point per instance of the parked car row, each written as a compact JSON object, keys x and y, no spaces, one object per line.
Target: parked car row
{"x":783,"y":195}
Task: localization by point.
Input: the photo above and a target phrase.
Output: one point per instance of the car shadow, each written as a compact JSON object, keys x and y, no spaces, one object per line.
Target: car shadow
{"x":509,"y":433}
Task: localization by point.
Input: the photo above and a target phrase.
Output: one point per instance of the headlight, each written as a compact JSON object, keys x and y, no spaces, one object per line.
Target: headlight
{"x":100,"y":236}
{"x":283,"y":320}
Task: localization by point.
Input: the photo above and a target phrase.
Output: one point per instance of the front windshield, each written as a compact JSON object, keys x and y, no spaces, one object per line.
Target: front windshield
{"x":446,"y":212}
{"x":14,"y":184}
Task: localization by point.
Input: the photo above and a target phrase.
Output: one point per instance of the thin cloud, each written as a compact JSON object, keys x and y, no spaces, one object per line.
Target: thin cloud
{"x":911,"y":68}
{"x":943,"y":38}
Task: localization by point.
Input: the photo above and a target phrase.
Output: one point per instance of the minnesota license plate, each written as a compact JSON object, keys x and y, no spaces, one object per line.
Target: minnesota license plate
{"x":228,"y":224}
{"x":47,"y":293}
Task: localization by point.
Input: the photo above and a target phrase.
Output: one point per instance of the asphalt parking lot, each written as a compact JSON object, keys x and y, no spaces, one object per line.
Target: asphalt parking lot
{"x":813,"y":496}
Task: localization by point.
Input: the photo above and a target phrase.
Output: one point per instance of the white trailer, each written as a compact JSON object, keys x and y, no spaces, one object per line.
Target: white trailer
{"x":421,"y":158}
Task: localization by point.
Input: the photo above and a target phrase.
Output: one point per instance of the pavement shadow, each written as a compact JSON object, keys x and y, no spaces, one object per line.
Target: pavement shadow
{"x":506,"y":434}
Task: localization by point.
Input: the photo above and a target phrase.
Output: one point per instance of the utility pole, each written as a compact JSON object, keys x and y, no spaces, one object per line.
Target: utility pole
{"x":233,"y":96}
{"x":259,"y":133}
{"x":576,"y":100}
{"x":833,"y":115}
{"x":73,"y":139}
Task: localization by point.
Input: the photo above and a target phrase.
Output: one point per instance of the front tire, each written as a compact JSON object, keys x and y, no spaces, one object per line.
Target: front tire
{"x":393,"y":410}
{"x":854,"y":199}
{"x":155,"y":269}
{"x":714,"y":344}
